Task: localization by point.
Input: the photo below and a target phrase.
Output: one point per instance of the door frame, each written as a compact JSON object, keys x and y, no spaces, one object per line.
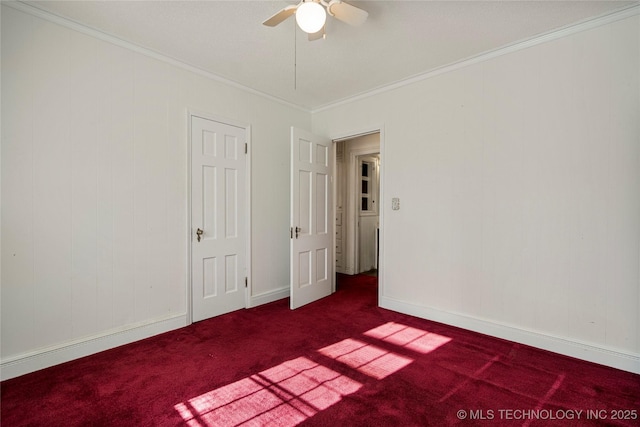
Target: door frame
{"x":189,"y":230}
{"x":347,"y":135}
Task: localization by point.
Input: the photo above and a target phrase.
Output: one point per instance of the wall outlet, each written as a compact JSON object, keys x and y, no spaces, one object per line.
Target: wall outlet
{"x":395,"y":203}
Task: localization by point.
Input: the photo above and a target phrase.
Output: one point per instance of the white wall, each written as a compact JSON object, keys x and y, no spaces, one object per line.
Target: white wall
{"x":94,"y":190}
{"x":519,"y":186}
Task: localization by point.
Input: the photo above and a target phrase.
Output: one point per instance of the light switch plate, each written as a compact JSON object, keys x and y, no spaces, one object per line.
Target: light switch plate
{"x":395,"y":203}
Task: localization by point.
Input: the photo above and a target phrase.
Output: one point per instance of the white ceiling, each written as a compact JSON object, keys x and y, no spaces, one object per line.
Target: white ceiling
{"x":400,"y":39}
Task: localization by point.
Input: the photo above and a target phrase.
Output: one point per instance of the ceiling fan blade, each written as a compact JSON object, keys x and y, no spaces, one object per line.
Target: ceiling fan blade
{"x":346,"y":13}
{"x":280,"y":16}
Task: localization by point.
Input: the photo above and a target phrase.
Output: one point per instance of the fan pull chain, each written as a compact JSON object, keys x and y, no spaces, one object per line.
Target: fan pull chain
{"x":295,"y":57}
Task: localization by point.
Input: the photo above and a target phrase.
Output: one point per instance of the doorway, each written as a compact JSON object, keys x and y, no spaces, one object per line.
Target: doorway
{"x":358,"y":185}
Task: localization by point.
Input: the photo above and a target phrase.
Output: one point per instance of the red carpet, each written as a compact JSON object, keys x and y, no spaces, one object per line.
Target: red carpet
{"x":340,"y":361}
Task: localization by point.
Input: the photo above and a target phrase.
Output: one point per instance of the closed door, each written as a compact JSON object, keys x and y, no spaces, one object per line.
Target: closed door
{"x":312,"y":221}
{"x":218,"y":218}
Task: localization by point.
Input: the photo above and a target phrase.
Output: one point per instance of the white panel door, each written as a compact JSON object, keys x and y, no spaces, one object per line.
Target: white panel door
{"x":312,"y":225}
{"x":218,"y":218}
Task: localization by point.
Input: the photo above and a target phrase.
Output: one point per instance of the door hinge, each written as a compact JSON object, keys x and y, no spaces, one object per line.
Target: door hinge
{"x":246,"y":282}
{"x":246,"y":148}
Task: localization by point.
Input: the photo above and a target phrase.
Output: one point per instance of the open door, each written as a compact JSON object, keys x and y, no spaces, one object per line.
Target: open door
{"x":312,"y":219}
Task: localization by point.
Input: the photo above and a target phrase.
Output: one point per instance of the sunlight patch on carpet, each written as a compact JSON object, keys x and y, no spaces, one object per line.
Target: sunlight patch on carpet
{"x":413,"y":339}
{"x":284,"y":395}
{"x":366,"y":358}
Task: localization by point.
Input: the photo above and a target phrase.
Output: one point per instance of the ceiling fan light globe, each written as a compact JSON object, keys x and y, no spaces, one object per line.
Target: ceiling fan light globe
{"x":311,"y":17}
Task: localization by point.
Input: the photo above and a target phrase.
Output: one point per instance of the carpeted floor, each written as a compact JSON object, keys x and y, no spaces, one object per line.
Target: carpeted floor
{"x":340,"y":361}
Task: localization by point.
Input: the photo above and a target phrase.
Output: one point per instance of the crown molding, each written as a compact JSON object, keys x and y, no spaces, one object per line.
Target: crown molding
{"x":84,"y":29}
{"x":588,"y":24}
{"x":624,"y":13}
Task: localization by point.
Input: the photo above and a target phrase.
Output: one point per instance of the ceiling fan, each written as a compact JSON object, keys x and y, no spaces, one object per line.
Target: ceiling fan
{"x":311,"y":15}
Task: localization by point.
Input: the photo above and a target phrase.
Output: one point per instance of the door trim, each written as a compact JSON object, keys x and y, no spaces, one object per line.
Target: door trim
{"x":188,"y":232}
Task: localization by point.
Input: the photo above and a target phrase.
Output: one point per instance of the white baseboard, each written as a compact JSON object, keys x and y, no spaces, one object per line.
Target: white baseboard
{"x":34,"y":361}
{"x":268,"y":297}
{"x":580,"y":350}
